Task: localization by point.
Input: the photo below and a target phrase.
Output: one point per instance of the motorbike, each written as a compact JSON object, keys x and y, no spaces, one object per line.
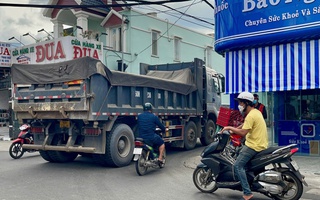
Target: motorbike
{"x":146,"y":156}
{"x":25,"y":137}
{"x":271,"y":172}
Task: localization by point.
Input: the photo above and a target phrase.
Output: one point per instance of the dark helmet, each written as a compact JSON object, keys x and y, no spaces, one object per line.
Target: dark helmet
{"x":147,"y":106}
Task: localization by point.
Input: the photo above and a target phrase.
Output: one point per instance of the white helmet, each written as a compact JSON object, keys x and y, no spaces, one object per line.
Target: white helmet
{"x":245,"y":96}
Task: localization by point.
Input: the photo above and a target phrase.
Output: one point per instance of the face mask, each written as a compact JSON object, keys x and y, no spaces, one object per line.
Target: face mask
{"x":255,"y":101}
{"x":241,"y":108}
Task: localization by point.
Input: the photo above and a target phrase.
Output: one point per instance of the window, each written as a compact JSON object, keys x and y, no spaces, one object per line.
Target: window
{"x":209,"y":56}
{"x":155,"y":36}
{"x":116,"y":39}
{"x":177,"y":48}
{"x":299,"y":105}
{"x":120,"y":39}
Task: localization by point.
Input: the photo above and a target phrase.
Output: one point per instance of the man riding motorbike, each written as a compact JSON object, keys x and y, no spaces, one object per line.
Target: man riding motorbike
{"x":147,"y":123}
{"x":255,"y":132}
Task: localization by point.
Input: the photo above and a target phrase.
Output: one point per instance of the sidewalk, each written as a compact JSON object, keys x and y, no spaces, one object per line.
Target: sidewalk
{"x":5,"y":140}
{"x":4,"y":133}
{"x":4,"y":145}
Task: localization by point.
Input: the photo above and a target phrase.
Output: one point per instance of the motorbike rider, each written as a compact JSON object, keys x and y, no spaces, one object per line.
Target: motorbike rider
{"x":255,"y":132}
{"x":147,"y":123}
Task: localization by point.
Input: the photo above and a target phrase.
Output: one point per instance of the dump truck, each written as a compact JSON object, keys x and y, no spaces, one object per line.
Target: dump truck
{"x":82,"y":107}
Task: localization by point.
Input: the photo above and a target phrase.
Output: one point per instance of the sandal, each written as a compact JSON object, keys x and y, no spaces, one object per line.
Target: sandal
{"x":161,"y":163}
{"x":250,"y":197}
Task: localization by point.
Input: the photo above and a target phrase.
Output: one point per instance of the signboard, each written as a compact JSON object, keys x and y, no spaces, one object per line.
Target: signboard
{"x":248,"y":23}
{"x":57,"y":50}
{"x":302,"y":133}
{"x":5,"y":54}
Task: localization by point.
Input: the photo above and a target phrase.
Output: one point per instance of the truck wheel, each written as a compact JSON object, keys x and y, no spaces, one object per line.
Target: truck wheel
{"x":209,"y":132}
{"x":61,"y":156}
{"x":119,"y":147}
{"x":45,"y":156}
{"x":190,"y":135}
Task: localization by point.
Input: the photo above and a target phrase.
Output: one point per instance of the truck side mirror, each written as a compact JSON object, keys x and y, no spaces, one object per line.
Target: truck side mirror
{"x":223,"y":84}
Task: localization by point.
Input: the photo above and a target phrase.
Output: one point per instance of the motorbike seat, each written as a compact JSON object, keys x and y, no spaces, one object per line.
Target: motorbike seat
{"x":145,"y":141}
{"x":139,"y":139}
{"x":265,"y":152}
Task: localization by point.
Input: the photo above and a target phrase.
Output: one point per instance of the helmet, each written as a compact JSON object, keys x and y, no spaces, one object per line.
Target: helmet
{"x":245,"y":96}
{"x":147,"y":106}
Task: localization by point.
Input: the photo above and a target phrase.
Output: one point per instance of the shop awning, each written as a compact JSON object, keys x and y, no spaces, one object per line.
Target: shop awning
{"x":283,"y":67}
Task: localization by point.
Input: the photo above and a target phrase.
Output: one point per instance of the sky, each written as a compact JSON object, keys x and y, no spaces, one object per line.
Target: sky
{"x":16,"y":21}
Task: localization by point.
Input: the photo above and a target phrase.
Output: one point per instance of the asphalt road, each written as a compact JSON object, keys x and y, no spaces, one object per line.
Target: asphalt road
{"x":32,"y":178}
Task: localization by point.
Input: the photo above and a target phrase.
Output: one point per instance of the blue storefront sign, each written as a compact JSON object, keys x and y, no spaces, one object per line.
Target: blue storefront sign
{"x":250,"y":23}
{"x":302,"y":133}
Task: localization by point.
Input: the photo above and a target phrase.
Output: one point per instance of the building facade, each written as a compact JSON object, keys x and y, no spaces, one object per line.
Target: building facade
{"x":131,"y":38}
{"x":274,"y":49}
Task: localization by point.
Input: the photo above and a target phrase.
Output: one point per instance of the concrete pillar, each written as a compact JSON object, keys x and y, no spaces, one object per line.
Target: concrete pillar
{"x":57,"y":28}
{"x":82,"y":21}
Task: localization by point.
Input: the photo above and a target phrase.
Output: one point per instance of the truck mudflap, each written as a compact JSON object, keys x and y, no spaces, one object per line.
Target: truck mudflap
{"x":78,"y":149}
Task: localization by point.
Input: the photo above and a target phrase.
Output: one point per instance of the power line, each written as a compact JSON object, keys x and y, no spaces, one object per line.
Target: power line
{"x":185,"y":13}
{"x":169,"y":10}
{"x":91,"y":6}
{"x":165,"y":11}
{"x":166,"y":30}
{"x":209,"y":4}
{"x":174,"y":15}
{"x":189,"y":15}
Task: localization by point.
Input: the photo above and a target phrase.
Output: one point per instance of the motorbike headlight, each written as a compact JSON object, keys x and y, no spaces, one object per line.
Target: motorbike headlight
{"x":24,"y":127}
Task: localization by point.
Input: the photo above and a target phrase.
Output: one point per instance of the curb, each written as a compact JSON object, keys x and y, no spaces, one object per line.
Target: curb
{"x":4,"y":138}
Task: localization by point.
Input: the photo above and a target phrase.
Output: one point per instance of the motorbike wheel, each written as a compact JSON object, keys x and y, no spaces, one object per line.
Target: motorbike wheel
{"x":294,"y":185}
{"x":204,"y":180}
{"x":140,"y":164}
{"x":16,"y":151}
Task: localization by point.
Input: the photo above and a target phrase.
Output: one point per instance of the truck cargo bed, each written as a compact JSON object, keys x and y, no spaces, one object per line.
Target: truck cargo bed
{"x":86,"y":89}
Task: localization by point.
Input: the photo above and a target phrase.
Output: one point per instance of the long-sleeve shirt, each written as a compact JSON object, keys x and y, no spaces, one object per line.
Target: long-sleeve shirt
{"x":147,"y":123}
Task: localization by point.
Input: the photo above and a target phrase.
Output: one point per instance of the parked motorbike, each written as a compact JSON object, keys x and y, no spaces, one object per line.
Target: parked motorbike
{"x":146,"y":157}
{"x":271,"y":172}
{"x":25,"y":137}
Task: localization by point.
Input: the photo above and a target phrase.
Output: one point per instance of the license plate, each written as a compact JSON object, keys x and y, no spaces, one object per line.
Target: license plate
{"x":295,"y":165}
{"x":64,"y":124}
{"x":137,"y":151}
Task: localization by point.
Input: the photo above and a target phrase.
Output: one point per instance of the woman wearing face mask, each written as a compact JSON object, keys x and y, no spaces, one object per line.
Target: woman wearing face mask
{"x":255,"y":131}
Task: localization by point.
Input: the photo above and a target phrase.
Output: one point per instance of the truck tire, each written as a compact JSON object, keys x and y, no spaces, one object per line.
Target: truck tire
{"x":45,"y":155}
{"x":119,"y":147}
{"x":61,"y":156}
{"x":208,"y":135}
{"x":190,"y":136}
